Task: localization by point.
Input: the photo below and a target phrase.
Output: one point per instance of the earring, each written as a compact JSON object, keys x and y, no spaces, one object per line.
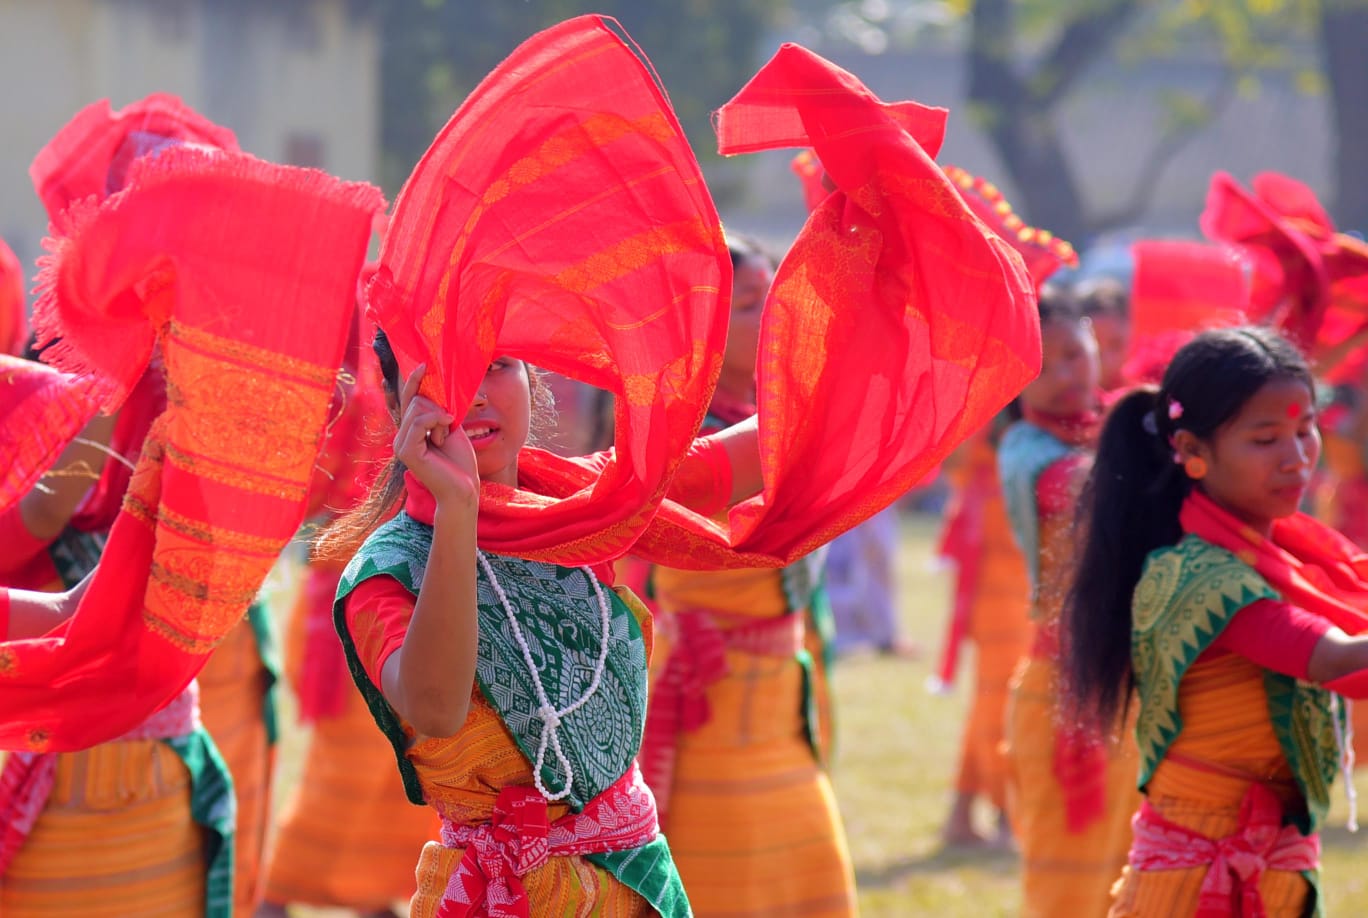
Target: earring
{"x":1196,"y":467}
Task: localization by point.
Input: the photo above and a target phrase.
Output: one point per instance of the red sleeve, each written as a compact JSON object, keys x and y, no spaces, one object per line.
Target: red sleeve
{"x":703,"y":481}
{"x":18,"y":546}
{"x":378,"y":613}
{"x":1057,"y":486}
{"x":1273,"y":634}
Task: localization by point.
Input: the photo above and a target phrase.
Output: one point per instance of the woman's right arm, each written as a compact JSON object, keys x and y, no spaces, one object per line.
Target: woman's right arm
{"x":428,"y":681}
{"x":25,"y":614}
{"x":1338,"y":655}
{"x":1292,"y":641}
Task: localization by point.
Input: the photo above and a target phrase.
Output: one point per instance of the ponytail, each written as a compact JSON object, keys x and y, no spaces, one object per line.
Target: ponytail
{"x":1130,"y":504}
{"x":1128,"y":508}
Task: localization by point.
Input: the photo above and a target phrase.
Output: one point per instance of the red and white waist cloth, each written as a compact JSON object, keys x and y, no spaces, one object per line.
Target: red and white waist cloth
{"x":520,"y":838}
{"x":28,"y":777}
{"x":1234,"y":863}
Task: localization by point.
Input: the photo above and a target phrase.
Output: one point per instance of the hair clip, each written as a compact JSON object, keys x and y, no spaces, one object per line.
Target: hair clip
{"x":1175,"y":409}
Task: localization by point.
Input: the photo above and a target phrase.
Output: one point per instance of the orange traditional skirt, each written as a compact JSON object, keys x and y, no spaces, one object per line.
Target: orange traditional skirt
{"x":1000,"y":628}
{"x":115,"y":839}
{"x":1063,"y":873}
{"x":348,"y":837}
{"x":233,"y":687}
{"x":751,"y":818}
{"x":1227,"y":738}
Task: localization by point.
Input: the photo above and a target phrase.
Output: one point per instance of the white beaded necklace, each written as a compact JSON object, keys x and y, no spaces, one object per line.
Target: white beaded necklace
{"x":546,"y":712}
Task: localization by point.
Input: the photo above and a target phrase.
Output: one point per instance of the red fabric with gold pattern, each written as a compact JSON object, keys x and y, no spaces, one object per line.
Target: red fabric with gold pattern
{"x":91,"y":155}
{"x":1311,"y":280}
{"x":1043,"y":252}
{"x":560,"y":217}
{"x":1180,"y":288}
{"x":895,"y":327}
{"x":43,"y":410}
{"x":88,"y":160}
{"x":1310,"y":565}
{"x":244,"y":273}
{"x":13,"y":324}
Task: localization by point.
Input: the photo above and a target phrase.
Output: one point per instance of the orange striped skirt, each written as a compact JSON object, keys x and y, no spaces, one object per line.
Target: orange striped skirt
{"x":1062,"y":872}
{"x":233,"y":688}
{"x":753,"y":823}
{"x":115,"y":839}
{"x":348,"y":837}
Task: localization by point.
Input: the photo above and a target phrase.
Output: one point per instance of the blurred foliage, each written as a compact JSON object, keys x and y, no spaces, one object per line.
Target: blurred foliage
{"x":434,"y":52}
{"x":1026,"y":56}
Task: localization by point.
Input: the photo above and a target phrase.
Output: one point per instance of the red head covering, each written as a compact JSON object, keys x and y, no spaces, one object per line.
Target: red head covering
{"x":1043,"y":252}
{"x":13,"y":325}
{"x":1308,"y":278}
{"x":585,"y":242}
{"x":1180,"y":288}
{"x":90,"y":156}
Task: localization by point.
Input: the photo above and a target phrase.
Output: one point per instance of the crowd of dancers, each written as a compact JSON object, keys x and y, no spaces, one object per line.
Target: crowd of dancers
{"x":597,"y":684}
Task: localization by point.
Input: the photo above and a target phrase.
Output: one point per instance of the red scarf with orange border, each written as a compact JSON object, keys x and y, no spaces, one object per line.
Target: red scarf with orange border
{"x":585,"y":242}
{"x":243,"y":273}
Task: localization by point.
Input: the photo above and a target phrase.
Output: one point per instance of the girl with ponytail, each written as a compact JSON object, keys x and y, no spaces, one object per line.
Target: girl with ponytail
{"x":1203,"y":591}
{"x":1070,"y":791}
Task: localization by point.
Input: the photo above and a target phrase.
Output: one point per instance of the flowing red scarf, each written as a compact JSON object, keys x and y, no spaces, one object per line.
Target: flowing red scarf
{"x":244,"y":273}
{"x":1311,"y":565}
{"x":585,"y":242}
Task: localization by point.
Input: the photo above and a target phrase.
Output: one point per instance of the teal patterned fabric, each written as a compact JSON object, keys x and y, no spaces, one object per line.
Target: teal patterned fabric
{"x":559,"y":614}
{"x":1025,"y":452}
{"x":213,"y":805}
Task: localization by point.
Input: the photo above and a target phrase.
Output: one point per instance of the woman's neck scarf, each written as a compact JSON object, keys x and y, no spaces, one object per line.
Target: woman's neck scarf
{"x":1311,"y":565}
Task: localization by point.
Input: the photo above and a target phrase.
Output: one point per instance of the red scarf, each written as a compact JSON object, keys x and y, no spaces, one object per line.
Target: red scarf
{"x":1081,"y":429}
{"x":1311,"y":565}
{"x":520,"y":837}
{"x":244,"y":272}
{"x":877,"y":353}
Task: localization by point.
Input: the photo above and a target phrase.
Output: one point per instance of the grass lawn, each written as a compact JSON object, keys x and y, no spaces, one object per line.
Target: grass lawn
{"x":897,"y":749}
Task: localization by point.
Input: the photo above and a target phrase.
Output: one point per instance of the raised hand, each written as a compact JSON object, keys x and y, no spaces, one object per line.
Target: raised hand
{"x":437,"y":453}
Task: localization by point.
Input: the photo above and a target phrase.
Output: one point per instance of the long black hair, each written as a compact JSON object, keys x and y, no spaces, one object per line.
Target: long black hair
{"x":1130,"y":504}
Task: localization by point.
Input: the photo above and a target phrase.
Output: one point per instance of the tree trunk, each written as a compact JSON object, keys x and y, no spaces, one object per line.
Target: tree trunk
{"x":1344,"y":42}
{"x":1017,"y":109}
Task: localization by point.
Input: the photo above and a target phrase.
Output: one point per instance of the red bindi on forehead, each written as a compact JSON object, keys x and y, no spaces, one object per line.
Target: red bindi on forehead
{"x":1294,"y":411}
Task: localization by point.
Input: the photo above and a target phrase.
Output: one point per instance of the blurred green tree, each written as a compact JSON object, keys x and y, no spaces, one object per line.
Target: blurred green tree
{"x":1025,"y":58}
{"x":434,"y":52}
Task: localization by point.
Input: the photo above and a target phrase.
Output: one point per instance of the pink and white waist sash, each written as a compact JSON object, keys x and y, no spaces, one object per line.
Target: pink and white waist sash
{"x":1234,"y":863}
{"x":519,"y":838}
{"x":27,"y":779}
